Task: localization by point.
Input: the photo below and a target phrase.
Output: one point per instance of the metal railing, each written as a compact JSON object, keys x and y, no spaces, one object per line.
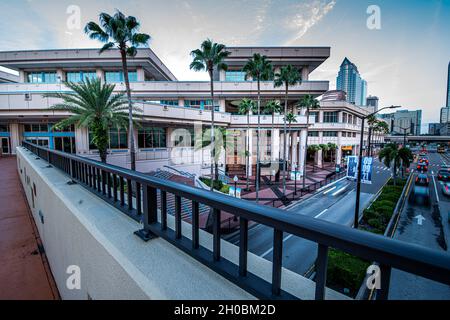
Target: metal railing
{"x":108,"y":182}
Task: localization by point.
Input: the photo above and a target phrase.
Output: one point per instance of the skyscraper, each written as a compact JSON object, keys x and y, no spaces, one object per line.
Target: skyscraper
{"x":350,"y":81}
{"x":445,"y":115}
{"x":404,"y":120}
{"x":372,"y":101}
{"x":448,"y":87}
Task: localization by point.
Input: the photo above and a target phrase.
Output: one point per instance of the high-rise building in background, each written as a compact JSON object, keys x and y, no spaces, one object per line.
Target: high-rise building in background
{"x":372,"y":101}
{"x":448,"y":87}
{"x":404,"y":120}
{"x":445,"y":115}
{"x":350,"y":81}
{"x":434,"y":129}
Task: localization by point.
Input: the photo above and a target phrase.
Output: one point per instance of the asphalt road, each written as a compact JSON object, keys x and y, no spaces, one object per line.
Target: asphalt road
{"x":430,"y":232}
{"x":334,"y":203}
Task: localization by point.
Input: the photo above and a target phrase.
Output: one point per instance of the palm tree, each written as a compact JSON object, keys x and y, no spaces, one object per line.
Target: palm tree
{"x":381,"y":127}
{"x":259,"y":69}
{"x":245,"y":106}
{"x":332,"y":147}
{"x":393,"y":156}
{"x":290,"y":118}
{"x":372,"y":122}
{"x":310,"y":103}
{"x":288,"y":76}
{"x":272,"y":107}
{"x":92,"y":105}
{"x":211,"y":55}
{"x":121,"y":32}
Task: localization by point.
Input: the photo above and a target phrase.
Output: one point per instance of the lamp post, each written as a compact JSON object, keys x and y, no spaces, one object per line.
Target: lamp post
{"x":235,"y":179}
{"x":295,"y":178}
{"x":358,"y":179}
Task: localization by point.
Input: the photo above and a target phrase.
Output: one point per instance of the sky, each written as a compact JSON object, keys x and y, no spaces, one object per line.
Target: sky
{"x":404,"y":61}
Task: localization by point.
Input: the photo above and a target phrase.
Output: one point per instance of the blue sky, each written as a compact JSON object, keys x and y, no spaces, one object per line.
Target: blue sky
{"x":404,"y":63}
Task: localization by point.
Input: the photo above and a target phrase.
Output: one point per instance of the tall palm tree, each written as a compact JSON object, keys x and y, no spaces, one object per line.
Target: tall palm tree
{"x":94,"y":106}
{"x":272,"y":107}
{"x":393,"y":156}
{"x":245,"y":106}
{"x":121,"y":32}
{"x":332,"y":147}
{"x":372,"y":122}
{"x":310,"y":103}
{"x":288,"y":76}
{"x":259,"y":69}
{"x":290,"y":118}
{"x":209,"y":57}
{"x":381,"y":128}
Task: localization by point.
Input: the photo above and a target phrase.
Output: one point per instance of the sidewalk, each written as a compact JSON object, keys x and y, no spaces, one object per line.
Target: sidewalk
{"x":24,"y":271}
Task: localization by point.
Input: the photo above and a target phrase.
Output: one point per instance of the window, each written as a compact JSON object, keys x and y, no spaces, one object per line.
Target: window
{"x":70,"y":128}
{"x":330,"y":117}
{"x":330,"y":133}
{"x":344,"y":117}
{"x":201,"y":104}
{"x":42,"y":77}
{"x":118,"y":139}
{"x":313,"y":133}
{"x":169,"y":102}
{"x":36,"y":127}
{"x":78,"y":76}
{"x":354,"y":134}
{"x":4,"y":128}
{"x":149,"y":137}
{"x":117,"y":76}
{"x":235,"y":76}
{"x":344,"y":134}
{"x":315,"y":115}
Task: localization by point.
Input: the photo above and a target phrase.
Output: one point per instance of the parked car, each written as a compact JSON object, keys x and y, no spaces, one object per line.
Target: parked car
{"x":446,"y":189}
{"x":443,"y":175}
{"x":421,"y":191}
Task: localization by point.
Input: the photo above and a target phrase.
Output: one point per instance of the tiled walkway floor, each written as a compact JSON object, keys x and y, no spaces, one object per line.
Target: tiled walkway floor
{"x":24,"y":272}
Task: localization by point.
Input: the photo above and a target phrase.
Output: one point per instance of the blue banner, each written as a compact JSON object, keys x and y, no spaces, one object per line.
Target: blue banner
{"x":352,"y":167}
{"x":366,"y":170}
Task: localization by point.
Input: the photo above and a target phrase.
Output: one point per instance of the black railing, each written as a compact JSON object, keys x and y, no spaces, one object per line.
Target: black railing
{"x":123,"y":188}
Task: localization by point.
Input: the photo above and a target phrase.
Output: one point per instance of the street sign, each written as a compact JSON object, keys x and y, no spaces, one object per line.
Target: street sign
{"x":352,"y":167}
{"x":366,"y":170}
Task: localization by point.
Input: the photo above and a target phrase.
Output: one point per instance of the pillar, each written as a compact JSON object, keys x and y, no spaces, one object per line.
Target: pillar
{"x":339,"y":149}
{"x":294,"y":143}
{"x":305,"y":73}
{"x":14,"y":136}
{"x":81,"y":140}
{"x":302,"y":151}
{"x":250,"y":149}
{"x":275,"y":144}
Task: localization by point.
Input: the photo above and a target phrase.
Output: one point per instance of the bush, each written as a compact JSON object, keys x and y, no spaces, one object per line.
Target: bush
{"x":345,"y":271}
{"x":218,"y":185}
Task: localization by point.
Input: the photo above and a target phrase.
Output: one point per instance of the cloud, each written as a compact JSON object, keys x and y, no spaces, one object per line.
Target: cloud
{"x":306,"y":15}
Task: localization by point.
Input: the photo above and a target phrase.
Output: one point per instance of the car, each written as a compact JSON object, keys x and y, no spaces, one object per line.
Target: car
{"x":421,"y":192}
{"x":443,"y":175}
{"x":423,"y":159}
{"x":446,"y":189}
{"x":422,"y":167}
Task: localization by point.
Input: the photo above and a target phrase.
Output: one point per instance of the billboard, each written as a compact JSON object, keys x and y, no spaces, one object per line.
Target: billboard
{"x":352,"y":167}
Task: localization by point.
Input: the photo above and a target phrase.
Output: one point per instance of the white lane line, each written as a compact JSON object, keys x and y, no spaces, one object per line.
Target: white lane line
{"x":271,"y":249}
{"x":329,"y":190}
{"x":435,"y":189}
{"x":339,"y":191}
{"x":378,"y":172}
{"x":325,"y":210}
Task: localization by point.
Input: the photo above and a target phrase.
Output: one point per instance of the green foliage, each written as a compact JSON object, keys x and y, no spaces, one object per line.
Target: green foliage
{"x":345,"y":271}
{"x":288,"y":76}
{"x":272,"y":107}
{"x":247,"y":105}
{"x":290,"y":117}
{"x":209,"y":55}
{"x":258,"y":68}
{"x":218,"y":185}
{"x":309,"y":102}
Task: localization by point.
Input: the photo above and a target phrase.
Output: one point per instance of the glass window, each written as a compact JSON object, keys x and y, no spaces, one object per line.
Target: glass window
{"x":117,"y":76}
{"x":201,"y":104}
{"x":235,"y":76}
{"x":4,"y":128}
{"x":70,"y":128}
{"x":185,"y":140}
{"x":344,"y":117}
{"x":118,"y":139}
{"x":313,"y":133}
{"x":35,"y":127}
{"x":344,"y":134}
{"x":330,"y":117}
{"x":152,"y":137}
{"x":330,"y":133}
{"x":169,"y":102}
{"x":42,"y":77}
{"x":78,"y":76}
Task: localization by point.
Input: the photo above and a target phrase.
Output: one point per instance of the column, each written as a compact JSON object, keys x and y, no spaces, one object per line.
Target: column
{"x":275,"y":144}
{"x":252,"y":154}
{"x":305,"y":73}
{"x":319,"y":154}
{"x":61,"y":75}
{"x":302,"y":151}
{"x":222,"y":105}
{"x":140,"y":74}
{"x":294,"y":143}
{"x":14,"y":136}
{"x":339,"y":149}
{"x":81,"y":140}
{"x":100,"y":74}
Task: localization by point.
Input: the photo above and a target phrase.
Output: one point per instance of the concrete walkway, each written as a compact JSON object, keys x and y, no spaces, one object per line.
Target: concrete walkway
{"x":24,"y":271}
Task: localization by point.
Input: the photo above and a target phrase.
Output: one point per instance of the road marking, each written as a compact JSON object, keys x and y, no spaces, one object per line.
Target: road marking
{"x":325,"y":210}
{"x":329,"y":190}
{"x":271,"y":249}
{"x":378,"y":172}
{"x":339,"y":191}
{"x":435,"y":189}
{"x":420,"y":218}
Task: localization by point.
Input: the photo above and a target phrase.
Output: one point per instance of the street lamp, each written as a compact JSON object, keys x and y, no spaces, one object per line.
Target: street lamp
{"x":235,"y":179}
{"x":358,"y":179}
{"x":295,"y":178}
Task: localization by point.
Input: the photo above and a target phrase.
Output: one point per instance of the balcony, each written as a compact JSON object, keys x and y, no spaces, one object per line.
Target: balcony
{"x":266,"y":121}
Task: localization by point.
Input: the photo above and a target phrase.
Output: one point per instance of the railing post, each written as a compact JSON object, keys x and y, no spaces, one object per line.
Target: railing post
{"x":385,"y":273}
{"x":150,"y":214}
{"x":195,"y":225}
{"x":163,"y":210}
{"x":177,"y":217}
{"x":216,"y":234}
{"x":243,"y":246}
{"x":277,"y":261}
{"x":321,"y":271}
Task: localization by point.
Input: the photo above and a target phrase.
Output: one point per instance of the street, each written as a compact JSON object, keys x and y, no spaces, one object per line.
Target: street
{"x":334,"y":203}
{"x":423,"y":226}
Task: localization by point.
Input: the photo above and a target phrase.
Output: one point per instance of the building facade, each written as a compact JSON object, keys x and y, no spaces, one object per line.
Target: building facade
{"x":372,"y":101}
{"x":350,"y":81}
{"x":448,"y":87}
{"x":172,"y":112}
{"x":404,"y":121}
{"x":445,"y":115}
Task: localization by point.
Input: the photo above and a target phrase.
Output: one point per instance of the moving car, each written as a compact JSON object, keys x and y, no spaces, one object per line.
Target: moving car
{"x":423,"y":159}
{"x":441,"y":149}
{"x":422,"y":167}
{"x":421,"y":191}
{"x":443,"y":175}
{"x":446,"y":189}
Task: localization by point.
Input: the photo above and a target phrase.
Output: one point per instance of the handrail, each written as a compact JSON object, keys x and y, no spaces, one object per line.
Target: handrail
{"x":102,"y":180}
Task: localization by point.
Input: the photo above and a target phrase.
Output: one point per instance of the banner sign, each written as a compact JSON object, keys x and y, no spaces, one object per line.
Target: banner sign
{"x":366,"y":170}
{"x":352,"y":167}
